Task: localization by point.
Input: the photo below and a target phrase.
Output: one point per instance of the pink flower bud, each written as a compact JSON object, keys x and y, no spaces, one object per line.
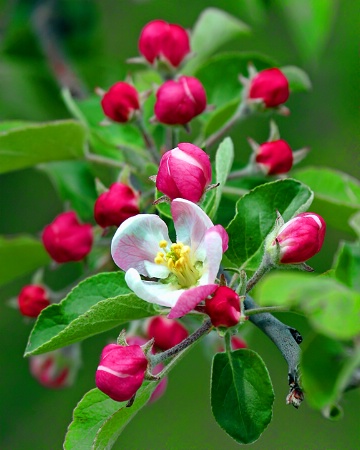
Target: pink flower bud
{"x":224,"y":307}
{"x":301,"y":238}
{"x":184,"y":172}
{"x":166,"y":332}
{"x":274,"y":157}
{"x":178,"y":102}
{"x":120,"y":102}
{"x":271,"y":86}
{"x":65,"y":239}
{"x":56,"y":369}
{"x":116,"y":205}
{"x":121,"y":371}
{"x":32,"y":300}
{"x":165,"y":41}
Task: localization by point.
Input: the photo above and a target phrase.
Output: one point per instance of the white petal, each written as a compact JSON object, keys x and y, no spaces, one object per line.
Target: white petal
{"x":151,"y":291}
{"x":137,"y":240}
{"x":191,"y":224}
{"x":214,"y":250}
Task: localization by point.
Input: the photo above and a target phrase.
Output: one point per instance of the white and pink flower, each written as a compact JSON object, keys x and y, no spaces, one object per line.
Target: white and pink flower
{"x":178,"y":275}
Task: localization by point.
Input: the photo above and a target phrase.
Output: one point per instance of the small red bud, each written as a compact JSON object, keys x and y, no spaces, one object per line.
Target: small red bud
{"x":271,"y":86}
{"x":224,"y":307}
{"x":66,"y":239}
{"x":301,"y":238}
{"x":121,"y":371}
{"x":178,"y":102}
{"x":165,"y":41}
{"x":116,"y":205}
{"x":166,"y":332}
{"x":274,"y":157}
{"x":120,"y":102}
{"x":32,"y":300}
{"x":184,"y":172}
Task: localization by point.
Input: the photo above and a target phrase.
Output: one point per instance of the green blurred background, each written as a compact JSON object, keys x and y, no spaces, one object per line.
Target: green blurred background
{"x":318,"y":35}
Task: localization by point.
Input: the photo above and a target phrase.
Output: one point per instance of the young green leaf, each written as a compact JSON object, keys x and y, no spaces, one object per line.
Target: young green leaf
{"x":241,"y":394}
{"x":38,"y":143}
{"x":298,"y":79}
{"x":21,"y":255}
{"x":255,"y":217}
{"x":96,"y":305}
{"x":347,"y":266}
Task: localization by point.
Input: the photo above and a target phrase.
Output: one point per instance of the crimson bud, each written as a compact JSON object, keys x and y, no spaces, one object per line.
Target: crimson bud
{"x":300,"y":238}
{"x":178,"y":102}
{"x":224,"y":307}
{"x":271,"y":86}
{"x":184,"y":172}
{"x":166,"y":332}
{"x":66,"y":239}
{"x":116,"y":205}
{"x":120,"y":102}
{"x":121,"y":371}
{"x":274,"y":157}
{"x":32,"y":300}
{"x":165,"y":41}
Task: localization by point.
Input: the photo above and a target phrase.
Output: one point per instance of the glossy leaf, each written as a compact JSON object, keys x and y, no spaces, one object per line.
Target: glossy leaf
{"x":337,"y":195}
{"x":255,"y":217}
{"x":332,"y":308}
{"x":97,"y":304}
{"x":20,"y":256}
{"x":241,"y":394}
{"x":38,"y":143}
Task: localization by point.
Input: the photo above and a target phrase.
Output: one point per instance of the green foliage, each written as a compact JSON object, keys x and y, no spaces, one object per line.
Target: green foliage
{"x":332,"y":308}
{"x":34,"y":144}
{"x":97,"y":304}
{"x":241,"y":394}
{"x":298,"y":79}
{"x":337,"y":194}
{"x":347,"y":266}
{"x":20,"y":256}
{"x":255,"y":217}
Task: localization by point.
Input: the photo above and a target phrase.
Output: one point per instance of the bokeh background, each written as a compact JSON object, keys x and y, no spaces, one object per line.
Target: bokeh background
{"x":97,"y":36}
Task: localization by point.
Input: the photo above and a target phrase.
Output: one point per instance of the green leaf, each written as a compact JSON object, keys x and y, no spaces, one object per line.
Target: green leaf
{"x":213,"y":29}
{"x":332,"y":308}
{"x":97,"y":304}
{"x":13,"y":124}
{"x":75,"y":184}
{"x":44,"y":142}
{"x":20,"y":256}
{"x":354,"y":222}
{"x":223,"y":162}
{"x":255,"y":217}
{"x":220,"y":116}
{"x":298,"y":79}
{"x":347,"y":266}
{"x":241,"y":394}
{"x":318,"y":15}
{"x":337,"y":194}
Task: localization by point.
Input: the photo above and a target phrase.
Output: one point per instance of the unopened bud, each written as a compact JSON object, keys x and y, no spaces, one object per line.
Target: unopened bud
{"x":120,"y":102}
{"x":166,"y":332}
{"x":275,"y":157}
{"x":224,"y":307}
{"x":271,"y":86}
{"x":32,"y":299}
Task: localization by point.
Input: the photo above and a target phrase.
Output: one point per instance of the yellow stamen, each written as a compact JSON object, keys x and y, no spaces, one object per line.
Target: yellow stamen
{"x":163,"y":244}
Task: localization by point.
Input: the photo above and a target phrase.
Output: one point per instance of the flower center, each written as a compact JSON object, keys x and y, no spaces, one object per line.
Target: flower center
{"x":179,"y":262}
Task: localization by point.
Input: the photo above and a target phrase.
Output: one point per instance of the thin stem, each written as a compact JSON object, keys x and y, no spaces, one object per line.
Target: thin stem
{"x":266,"y":309}
{"x":242,"y":112}
{"x":204,"y":329}
{"x":245,"y":171}
{"x":104,"y":161}
{"x":228,"y":343}
{"x":264,"y":268}
{"x":234,"y":191}
{"x":149,"y":141}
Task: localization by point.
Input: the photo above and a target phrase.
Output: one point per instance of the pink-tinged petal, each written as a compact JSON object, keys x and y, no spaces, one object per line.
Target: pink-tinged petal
{"x":137,"y":240}
{"x":152,"y":291}
{"x":202,"y":158}
{"x":224,"y":236}
{"x":213,"y":245}
{"x":191,"y":224}
{"x":190,"y":298}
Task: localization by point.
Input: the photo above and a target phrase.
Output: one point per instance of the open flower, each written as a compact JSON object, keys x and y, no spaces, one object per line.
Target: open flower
{"x":184,"y":271}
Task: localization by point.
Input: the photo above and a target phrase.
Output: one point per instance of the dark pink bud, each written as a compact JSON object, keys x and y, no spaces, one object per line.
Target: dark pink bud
{"x":120,"y":102}
{"x":165,"y":41}
{"x":274,"y":157}
{"x":178,"y":102}
{"x":32,"y":300}
{"x":271,"y":86}
{"x":116,"y":205}
{"x":161,"y":387}
{"x":66,"y":239}
{"x":224,"y":307}
{"x":121,"y":371}
{"x":184,"y":172}
{"x":166,"y":332}
{"x":301,"y":238}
